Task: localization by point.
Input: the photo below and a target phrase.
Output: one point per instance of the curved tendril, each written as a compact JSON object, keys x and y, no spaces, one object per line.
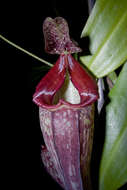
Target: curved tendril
{"x":25,"y":51}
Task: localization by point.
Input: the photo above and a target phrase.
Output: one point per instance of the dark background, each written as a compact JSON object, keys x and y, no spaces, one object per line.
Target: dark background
{"x":21,"y":22}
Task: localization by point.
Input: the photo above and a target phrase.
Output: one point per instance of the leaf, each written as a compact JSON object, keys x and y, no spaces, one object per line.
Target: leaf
{"x":113,"y":169}
{"x":107,"y":30}
{"x":113,"y":77}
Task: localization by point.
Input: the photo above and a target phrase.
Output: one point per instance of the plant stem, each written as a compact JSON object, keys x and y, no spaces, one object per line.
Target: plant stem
{"x":25,"y":51}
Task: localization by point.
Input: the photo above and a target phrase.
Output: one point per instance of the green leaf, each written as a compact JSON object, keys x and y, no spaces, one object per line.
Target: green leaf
{"x":113,"y":77}
{"x":113,"y":168}
{"x":107,"y":29}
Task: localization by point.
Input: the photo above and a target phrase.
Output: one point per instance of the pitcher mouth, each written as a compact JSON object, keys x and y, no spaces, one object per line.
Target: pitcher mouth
{"x":66,"y":77}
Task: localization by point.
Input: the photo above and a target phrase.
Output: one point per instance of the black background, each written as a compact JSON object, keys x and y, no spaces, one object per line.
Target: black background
{"x":21,"y":22}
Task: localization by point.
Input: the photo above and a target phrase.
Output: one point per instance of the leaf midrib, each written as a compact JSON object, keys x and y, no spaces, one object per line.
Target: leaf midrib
{"x":107,"y":38}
